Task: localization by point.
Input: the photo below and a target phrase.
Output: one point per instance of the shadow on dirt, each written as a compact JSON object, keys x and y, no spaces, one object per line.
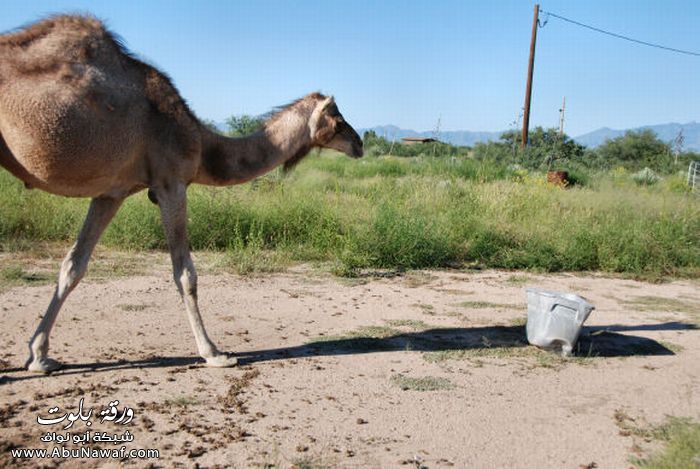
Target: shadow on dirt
{"x":599,"y":341}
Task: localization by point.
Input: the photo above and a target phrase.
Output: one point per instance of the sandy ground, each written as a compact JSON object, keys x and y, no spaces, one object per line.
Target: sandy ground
{"x":426,"y":369}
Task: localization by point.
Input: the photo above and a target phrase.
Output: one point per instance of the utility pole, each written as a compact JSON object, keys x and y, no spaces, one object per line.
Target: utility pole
{"x":562,"y":111}
{"x":678,"y":146}
{"x":530,"y":69}
{"x":436,"y":134}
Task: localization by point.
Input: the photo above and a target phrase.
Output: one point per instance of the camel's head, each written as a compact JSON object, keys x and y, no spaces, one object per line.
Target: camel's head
{"x":330,"y":130}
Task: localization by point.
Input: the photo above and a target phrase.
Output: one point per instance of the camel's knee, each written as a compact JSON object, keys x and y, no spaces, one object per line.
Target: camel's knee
{"x":186,"y":279}
{"x":72,"y":271}
{"x":189,"y":284}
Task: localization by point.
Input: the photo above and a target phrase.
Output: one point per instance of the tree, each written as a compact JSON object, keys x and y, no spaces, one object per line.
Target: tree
{"x":636,"y":150}
{"x":369,"y":137}
{"x":546,"y":149}
{"x":240,"y":126}
{"x":376,"y":145}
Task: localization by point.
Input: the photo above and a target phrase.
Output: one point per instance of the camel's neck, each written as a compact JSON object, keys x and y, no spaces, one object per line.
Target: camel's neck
{"x":227,"y":161}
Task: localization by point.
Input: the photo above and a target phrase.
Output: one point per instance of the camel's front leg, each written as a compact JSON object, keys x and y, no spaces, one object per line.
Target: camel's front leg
{"x":173,"y":210}
{"x":73,"y":268}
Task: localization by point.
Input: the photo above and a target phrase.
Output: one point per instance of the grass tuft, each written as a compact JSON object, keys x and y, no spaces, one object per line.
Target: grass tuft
{"x":681,"y":440}
{"x":426,"y":383}
{"x":412,"y":324}
{"x":15,"y":275}
{"x":488,"y":305}
{"x":679,"y":437}
{"x":183,"y":401}
{"x":666,"y":305}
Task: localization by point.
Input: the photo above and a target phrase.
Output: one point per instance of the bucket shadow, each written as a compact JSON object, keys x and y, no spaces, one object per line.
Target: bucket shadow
{"x":605,"y":341}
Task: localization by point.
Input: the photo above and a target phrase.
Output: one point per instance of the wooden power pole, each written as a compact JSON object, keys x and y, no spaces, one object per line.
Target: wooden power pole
{"x":530,"y":69}
{"x":562,"y":112}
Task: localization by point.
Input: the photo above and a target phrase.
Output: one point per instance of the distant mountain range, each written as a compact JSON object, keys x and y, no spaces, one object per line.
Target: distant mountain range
{"x":455,"y":137}
{"x":666,"y":132}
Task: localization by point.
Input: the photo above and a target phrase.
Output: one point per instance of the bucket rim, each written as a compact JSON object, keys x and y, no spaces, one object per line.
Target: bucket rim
{"x":554,"y":294}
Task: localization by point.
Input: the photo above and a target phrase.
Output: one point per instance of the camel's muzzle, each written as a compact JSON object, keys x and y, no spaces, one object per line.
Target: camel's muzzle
{"x":349,"y":134}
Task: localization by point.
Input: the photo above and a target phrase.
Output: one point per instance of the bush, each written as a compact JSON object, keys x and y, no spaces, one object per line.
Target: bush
{"x":636,"y":150}
{"x":377,"y":145}
{"x":546,"y":150}
{"x":645,"y":177}
{"x":240,"y":126}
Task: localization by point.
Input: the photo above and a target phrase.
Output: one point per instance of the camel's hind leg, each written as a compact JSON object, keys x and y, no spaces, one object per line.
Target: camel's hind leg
{"x":73,"y":268}
{"x":173,"y":209}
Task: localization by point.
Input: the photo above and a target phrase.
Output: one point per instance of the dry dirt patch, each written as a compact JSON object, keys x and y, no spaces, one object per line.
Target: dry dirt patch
{"x":428,"y":369}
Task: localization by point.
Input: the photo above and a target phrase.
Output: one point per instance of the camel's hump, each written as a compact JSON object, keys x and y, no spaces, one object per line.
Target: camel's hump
{"x":75,"y":25}
{"x":54,"y":45}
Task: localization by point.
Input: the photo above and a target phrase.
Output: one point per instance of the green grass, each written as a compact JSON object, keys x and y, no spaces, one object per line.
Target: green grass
{"x":15,"y":275}
{"x":663,"y":304}
{"x":660,"y":303}
{"x":425,"y":308}
{"x":310,"y":462}
{"x":519,"y":321}
{"x":481,"y":352}
{"x":675,"y":348}
{"x":372,"y":337}
{"x":681,"y":440}
{"x":398,"y":214}
{"x":411,"y":324}
{"x":679,"y":437}
{"x":134,"y":308}
{"x":488,"y":305}
{"x":183,"y":401}
{"x":517,"y":280}
{"x":425,"y":383}
{"x":364,"y":338}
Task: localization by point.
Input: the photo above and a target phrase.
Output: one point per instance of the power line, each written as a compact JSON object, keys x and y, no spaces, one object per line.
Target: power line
{"x":620,"y":36}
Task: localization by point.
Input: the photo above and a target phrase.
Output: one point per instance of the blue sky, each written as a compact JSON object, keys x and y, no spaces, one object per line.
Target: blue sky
{"x":409,"y":63}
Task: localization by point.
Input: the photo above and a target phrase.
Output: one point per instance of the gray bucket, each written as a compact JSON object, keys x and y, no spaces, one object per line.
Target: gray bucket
{"x":555,"y":320}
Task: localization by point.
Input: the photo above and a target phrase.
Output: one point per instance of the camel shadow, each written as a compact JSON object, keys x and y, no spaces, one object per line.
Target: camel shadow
{"x":80,"y":368}
{"x":597,"y":341}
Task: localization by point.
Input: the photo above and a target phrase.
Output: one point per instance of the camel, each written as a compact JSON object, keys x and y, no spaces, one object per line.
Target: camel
{"x":82,"y":117}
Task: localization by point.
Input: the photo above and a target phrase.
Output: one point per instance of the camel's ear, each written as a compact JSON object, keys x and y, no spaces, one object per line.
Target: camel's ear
{"x":328,"y":102}
{"x":318,"y":112}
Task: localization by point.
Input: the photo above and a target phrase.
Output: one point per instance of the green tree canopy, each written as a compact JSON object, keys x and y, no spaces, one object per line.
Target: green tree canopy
{"x":546,"y":148}
{"x":376,"y":145}
{"x":635,"y":150}
{"x":240,"y":126}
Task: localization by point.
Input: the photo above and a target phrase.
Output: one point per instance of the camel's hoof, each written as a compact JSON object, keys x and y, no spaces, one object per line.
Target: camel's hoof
{"x":44,"y":365}
{"x":222,"y":360}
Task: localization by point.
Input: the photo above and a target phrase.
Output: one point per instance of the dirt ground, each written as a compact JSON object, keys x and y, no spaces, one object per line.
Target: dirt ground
{"x":425,"y":369}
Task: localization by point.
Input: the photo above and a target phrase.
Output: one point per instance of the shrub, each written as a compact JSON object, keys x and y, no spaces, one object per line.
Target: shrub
{"x":636,"y":150}
{"x":645,"y":177}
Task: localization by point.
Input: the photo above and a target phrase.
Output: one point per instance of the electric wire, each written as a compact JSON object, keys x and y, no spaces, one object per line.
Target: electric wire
{"x":619,"y":36}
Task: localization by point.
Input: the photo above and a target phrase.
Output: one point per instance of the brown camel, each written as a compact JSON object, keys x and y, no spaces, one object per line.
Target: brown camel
{"x":81,"y":117}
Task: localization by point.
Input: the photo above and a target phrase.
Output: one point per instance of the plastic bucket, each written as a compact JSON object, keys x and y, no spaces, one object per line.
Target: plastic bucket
{"x":555,"y":320}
